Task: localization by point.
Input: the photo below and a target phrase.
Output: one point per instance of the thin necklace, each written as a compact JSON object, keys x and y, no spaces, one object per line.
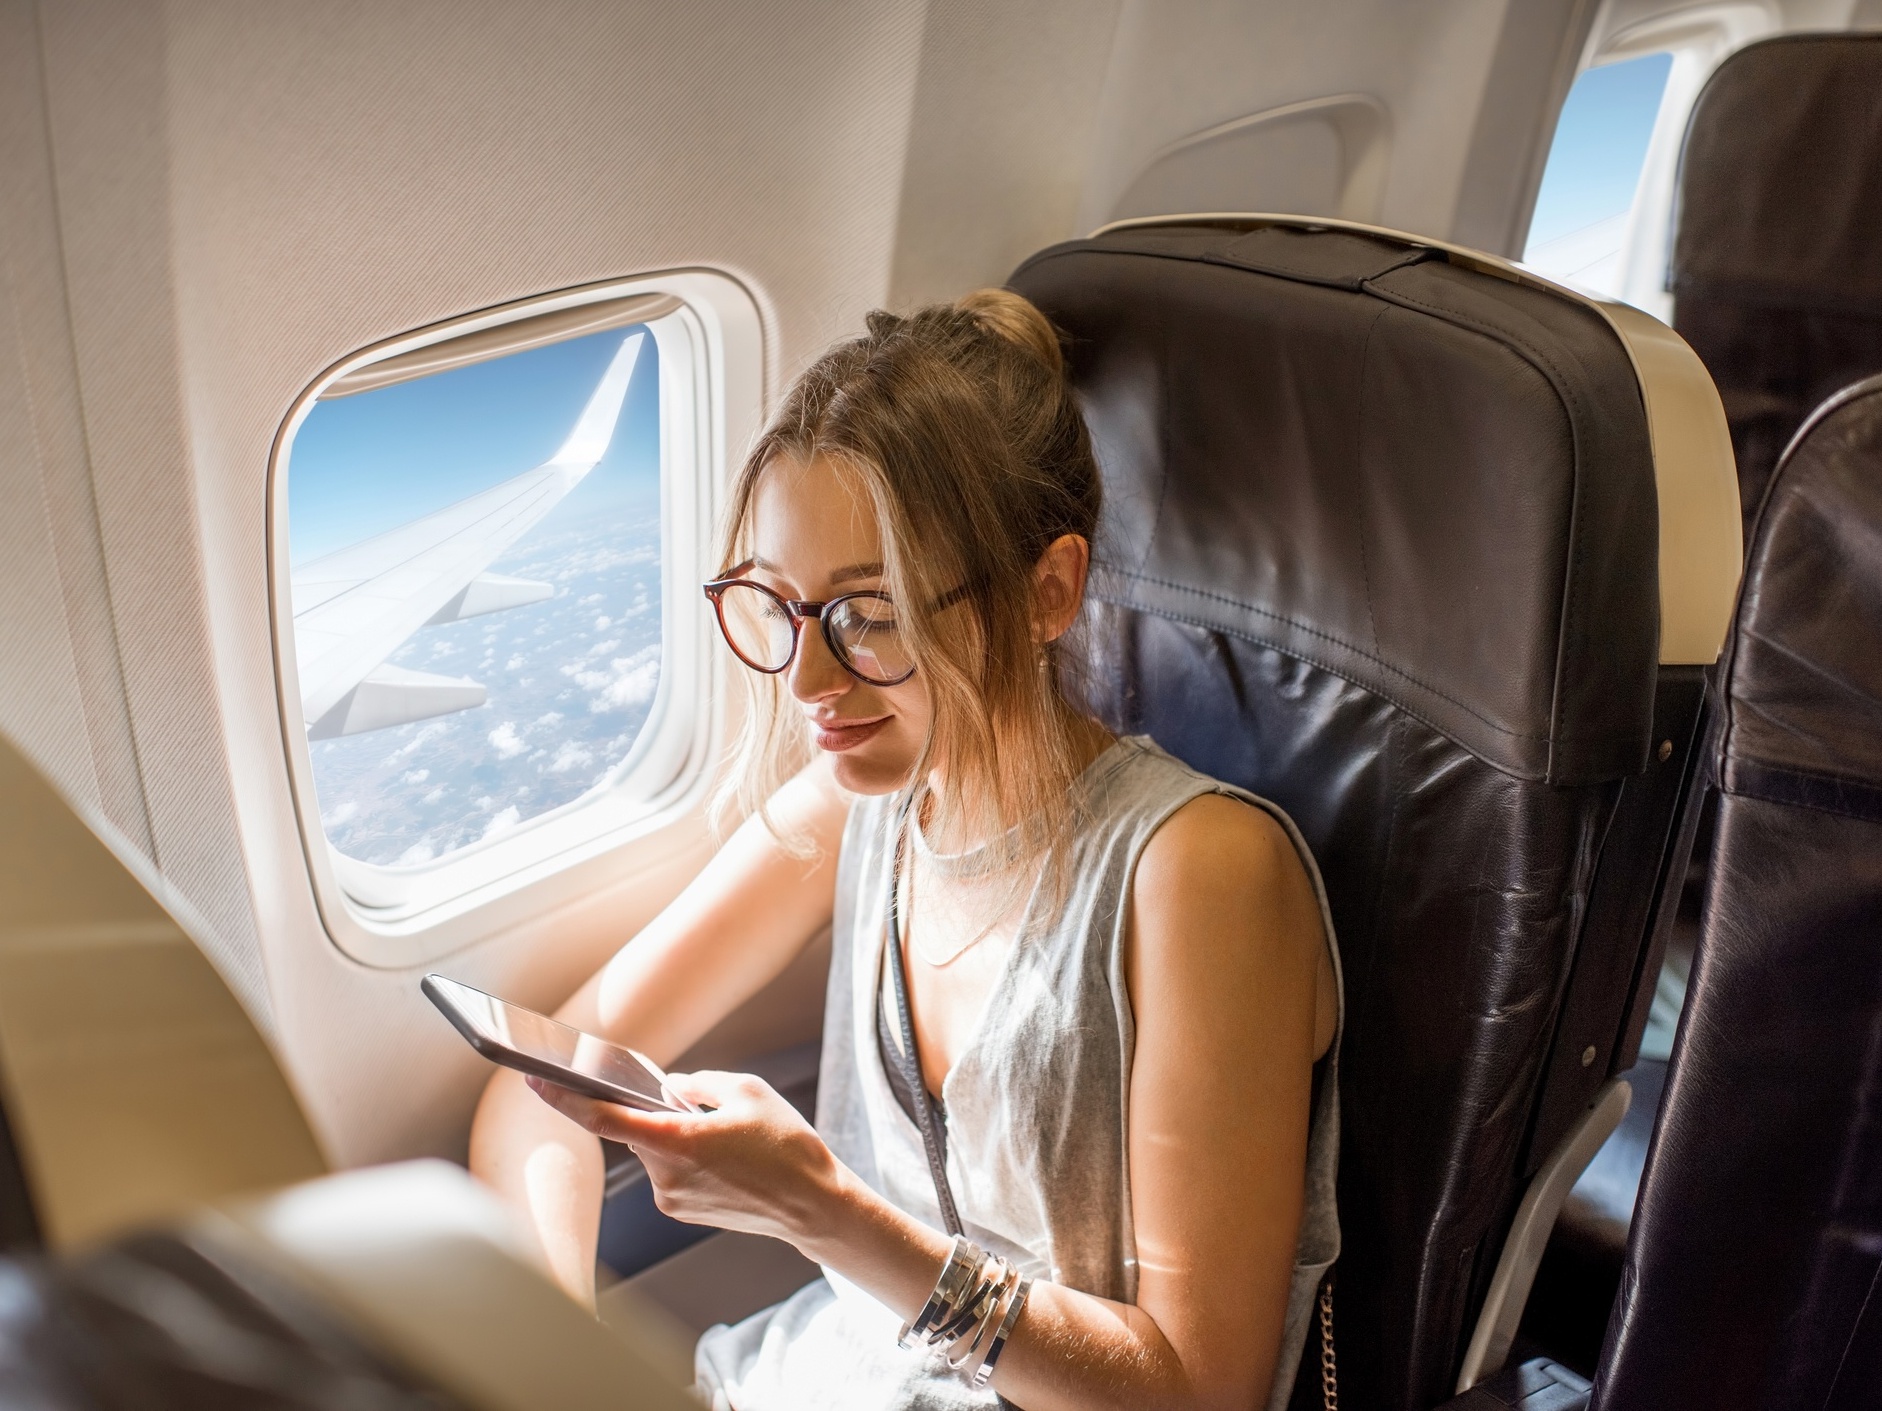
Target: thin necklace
{"x":904,"y":843}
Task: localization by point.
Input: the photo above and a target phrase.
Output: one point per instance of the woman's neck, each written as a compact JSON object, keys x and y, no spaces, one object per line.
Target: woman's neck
{"x":962,"y":829}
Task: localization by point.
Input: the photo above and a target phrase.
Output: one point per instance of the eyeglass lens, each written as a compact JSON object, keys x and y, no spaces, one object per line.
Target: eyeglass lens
{"x":861,"y":630}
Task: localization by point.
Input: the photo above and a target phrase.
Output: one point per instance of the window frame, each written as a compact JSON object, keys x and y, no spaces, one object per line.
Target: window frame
{"x":711,"y":386}
{"x":1698,"y":39}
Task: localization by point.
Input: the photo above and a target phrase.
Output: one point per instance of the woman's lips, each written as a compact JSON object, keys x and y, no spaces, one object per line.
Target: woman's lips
{"x":837,"y":735}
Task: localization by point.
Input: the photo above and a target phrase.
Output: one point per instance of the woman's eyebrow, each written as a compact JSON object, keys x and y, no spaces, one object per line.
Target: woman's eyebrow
{"x":850,"y":573}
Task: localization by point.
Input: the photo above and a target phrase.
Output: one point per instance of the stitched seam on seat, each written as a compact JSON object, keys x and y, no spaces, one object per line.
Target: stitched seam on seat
{"x":1319,"y":665}
{"x":1300,"y":627}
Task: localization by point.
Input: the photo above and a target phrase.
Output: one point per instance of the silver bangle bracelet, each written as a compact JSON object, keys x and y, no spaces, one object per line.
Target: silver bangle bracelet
{"x":963,"y":1263}
{"x":976,"y":1301}
{"x":975,"y":1352}
{"x":972,"y":1309}
{"x":984,"y":1372}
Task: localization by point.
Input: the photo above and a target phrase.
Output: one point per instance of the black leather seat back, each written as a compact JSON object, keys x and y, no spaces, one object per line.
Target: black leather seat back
{"x":1380,"y":545}
{"x":1776,"y":267}
{"x":1754,"y":1267}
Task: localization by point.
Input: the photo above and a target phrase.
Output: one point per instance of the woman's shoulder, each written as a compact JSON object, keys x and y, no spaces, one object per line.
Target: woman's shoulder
{"x":1136,"y":769}
{"x":1196,"y":821}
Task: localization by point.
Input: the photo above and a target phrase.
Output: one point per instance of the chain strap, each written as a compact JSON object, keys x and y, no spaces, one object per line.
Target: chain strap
{"x":1329,"y":1369}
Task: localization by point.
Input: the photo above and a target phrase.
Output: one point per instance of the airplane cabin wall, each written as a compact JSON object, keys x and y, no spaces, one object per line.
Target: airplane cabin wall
{"x":208,"y":202}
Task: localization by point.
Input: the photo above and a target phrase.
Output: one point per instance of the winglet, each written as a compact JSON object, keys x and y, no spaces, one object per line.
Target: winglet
{"x":588,"y":442}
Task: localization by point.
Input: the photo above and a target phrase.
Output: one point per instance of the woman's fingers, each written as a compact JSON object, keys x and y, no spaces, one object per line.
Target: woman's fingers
{"x":604,"y":1119}
{"x":716,"y":1090}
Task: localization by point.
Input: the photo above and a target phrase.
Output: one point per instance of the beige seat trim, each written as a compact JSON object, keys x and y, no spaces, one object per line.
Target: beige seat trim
{"x":1701,"y":535}
{"x":135,"y":1085}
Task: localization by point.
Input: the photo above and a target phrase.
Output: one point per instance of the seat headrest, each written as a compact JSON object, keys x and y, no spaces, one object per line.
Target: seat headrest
{"x":1804,"y":675}
{"x":1780,"y":187}
{"x":1414,"y":471}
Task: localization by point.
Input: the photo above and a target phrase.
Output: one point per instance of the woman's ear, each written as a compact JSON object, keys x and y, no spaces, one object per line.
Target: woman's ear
{"x":1059,"y":585}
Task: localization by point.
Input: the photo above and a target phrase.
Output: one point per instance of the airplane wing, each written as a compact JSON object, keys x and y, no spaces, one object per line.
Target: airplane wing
{"x":355,"y":607}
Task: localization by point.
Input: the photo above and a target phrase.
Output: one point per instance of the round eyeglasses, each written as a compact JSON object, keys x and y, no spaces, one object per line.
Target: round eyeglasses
{"x":859,"y":628}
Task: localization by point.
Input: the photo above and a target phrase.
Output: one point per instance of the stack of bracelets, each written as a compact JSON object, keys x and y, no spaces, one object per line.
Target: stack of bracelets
{"x":971,"y":1312}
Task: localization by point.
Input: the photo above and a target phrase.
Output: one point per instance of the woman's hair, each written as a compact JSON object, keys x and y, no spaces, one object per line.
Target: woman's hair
{"x":957,"y":425}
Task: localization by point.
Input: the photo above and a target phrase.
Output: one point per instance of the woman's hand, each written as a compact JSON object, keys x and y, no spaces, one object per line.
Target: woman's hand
{"x":751,"y":1163}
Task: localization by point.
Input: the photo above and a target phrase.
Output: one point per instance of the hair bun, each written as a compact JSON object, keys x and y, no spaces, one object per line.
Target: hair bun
{"x":1017,"y":319}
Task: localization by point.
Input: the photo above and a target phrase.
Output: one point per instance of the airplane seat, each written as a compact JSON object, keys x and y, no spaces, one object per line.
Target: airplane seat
{"x":133,"y":1083}
{"x":1384,"y":543}
{"x":1777,"y":284}
{"x":1756,"y":1250}
{"x":140,"y":1108}
{"x":1776,"y":272}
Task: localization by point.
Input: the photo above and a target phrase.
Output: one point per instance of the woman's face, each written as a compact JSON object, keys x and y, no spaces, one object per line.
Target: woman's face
{"x":814,"y":538}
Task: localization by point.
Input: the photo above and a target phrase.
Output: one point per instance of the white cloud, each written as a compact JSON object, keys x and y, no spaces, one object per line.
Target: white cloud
{"x":601,"y":649}
{"x":602,"y":624}
{"x":418,"y":852}
{"x":414,"y":776}
{"x":485,"y":802}
{"x":435,"y":794}
{"x":515,"y":663}
{"x":507,"y":743}
{"x":588,"y":601}
{"x":427,"y":732}
{"x":632,"y":682}
{"x":503,"y":822}
{"x":336,"y":817}
{"x":552,"y":717}
{"x":570,"y":755}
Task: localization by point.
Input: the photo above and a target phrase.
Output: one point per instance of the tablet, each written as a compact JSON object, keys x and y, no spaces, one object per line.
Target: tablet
{"x":546,"y":1048}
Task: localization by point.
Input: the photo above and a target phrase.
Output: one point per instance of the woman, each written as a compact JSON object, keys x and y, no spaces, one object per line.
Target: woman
{"x":1090,"y":986}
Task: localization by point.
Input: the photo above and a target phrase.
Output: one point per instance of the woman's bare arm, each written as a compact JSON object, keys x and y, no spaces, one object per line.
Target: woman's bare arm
{"x":735,"y":928}
{"x":1225,"y":970}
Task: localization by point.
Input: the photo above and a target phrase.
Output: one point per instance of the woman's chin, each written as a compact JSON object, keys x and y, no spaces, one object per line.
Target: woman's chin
{"x":857,"y":772}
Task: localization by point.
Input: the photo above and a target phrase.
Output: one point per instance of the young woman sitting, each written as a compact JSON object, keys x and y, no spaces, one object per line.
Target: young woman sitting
{"x":1077,"y":1124}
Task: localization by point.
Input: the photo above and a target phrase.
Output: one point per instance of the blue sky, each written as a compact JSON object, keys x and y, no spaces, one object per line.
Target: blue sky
{"x":1600,"y":146}
{"x":367,"y":463}
{"x":570,"y":680}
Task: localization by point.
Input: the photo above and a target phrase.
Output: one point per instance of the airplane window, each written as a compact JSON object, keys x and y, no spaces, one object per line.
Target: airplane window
{"x":1582,"y":224}
{"x":475,"y":573}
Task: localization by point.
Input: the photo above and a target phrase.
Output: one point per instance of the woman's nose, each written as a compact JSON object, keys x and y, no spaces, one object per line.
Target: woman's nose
{"x":816,"y":674}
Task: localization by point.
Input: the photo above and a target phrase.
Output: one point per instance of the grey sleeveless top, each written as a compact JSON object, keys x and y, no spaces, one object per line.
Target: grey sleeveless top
{"x":1037,"y":1109}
